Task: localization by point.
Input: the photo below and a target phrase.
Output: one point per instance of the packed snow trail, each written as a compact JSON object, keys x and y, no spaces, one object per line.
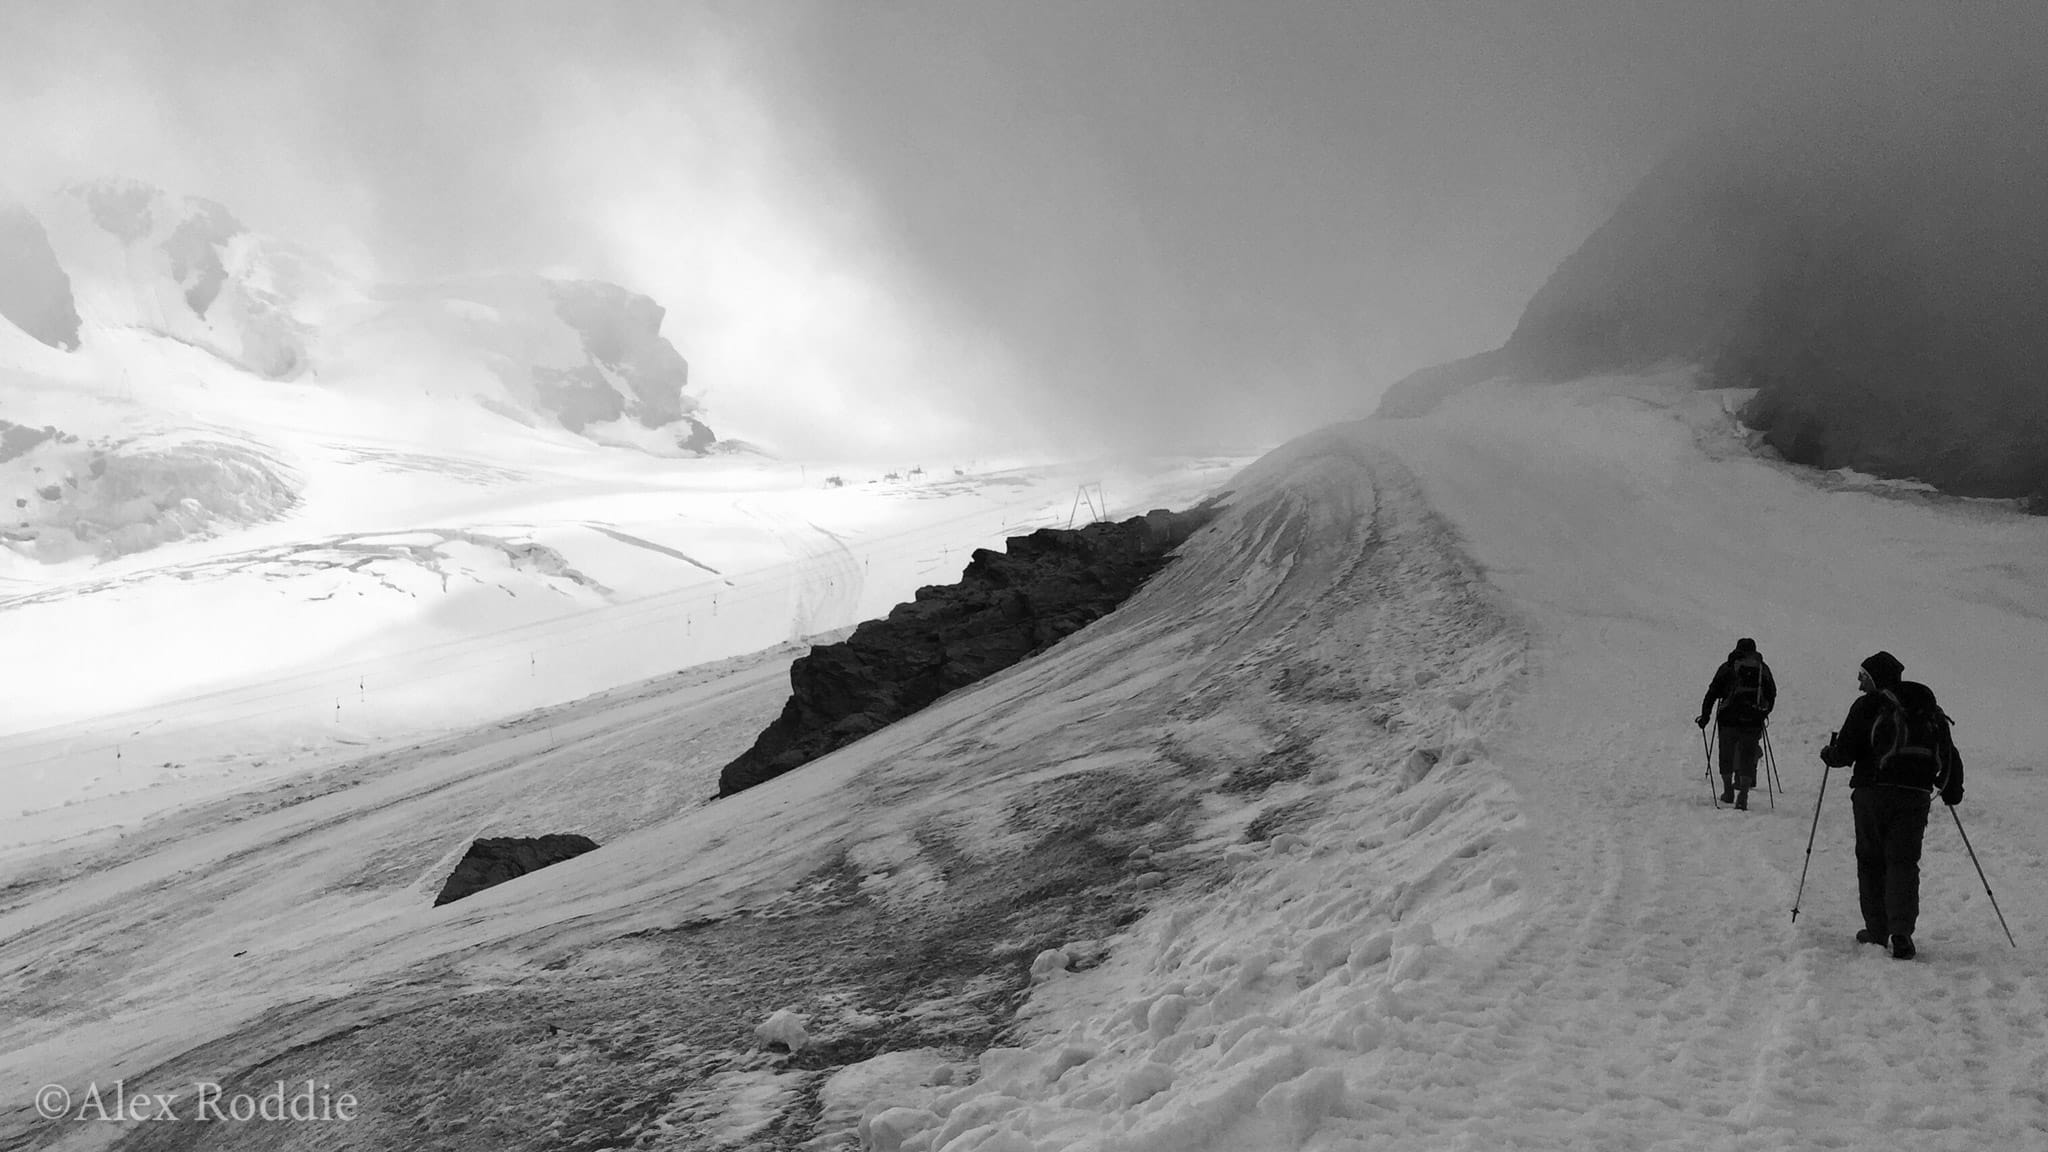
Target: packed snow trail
{"x":1634,"y":980}
{"x":1660,"y":988}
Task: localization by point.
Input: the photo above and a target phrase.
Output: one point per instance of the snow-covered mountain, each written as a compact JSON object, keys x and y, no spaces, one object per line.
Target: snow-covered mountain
{"x":119,"y":254}
{"x":116,"y":280}
{"x":1376,"y":821}
{"x":241,"y":485}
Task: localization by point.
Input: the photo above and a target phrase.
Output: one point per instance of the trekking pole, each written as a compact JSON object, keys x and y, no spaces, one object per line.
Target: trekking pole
{"x":1771,"y":789}
{"x":1708,"y":749}
{"x":1771,"y":759}
{"x":1980,"y":876}
{"x":1825,"y":767}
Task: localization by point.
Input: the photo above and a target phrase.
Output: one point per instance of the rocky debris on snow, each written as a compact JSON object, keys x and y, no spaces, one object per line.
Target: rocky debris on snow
{"x":1829,"y":275}
{"x":1006,"y":607}
{"x":493,"y":860}
{"x":35,"y":292}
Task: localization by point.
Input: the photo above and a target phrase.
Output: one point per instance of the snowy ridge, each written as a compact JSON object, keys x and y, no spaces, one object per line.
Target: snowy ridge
{"x":1357,"y":639}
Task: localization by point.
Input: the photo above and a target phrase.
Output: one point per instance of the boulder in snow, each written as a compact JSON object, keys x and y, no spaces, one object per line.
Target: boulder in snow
{"x":783,"y":1027}
{"x":493,"y":860}
{"x":1048,"y":964}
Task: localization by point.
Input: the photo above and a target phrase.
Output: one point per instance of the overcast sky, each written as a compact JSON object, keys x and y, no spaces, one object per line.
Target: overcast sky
{"x":1166,"y":221}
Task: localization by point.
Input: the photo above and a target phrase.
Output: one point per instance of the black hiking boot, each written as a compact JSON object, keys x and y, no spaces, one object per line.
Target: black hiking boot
{"x":1727,"y":795}
{"x":1902,"y":948}
{"x":1742,"y":800}
{"x":1866,"y":936}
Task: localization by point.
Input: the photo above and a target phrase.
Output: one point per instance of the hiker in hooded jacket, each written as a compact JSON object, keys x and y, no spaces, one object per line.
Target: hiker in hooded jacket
{"x":1898,"y":738}
{"x":1746,"y":692}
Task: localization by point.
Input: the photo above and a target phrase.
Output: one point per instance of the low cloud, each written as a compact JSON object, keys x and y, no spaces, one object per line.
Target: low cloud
{"x":882,"y":228}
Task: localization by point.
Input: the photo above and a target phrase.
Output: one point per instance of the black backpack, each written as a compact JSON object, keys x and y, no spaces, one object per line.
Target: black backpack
{"x":1911,"y":738}
{"x":1745,"y":683}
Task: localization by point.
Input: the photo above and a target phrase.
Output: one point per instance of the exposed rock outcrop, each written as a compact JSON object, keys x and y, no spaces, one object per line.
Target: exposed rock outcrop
{"x":621,"y":331}
{"x":123,"y":255}
{"x":18,"y":439}
{"x":1881,"y":293}
{"x":35,"y":292}
{"x":1007,"y":606}
{"x":585,"y":354}
{"x":184,"y":267}
{"x":493,"y":860}
{"x":195,"y":248}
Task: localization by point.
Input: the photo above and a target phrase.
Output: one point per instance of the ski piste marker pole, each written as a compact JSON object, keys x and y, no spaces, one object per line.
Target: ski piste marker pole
{"x":1825,"y":768}
{"x":1980,"y":876}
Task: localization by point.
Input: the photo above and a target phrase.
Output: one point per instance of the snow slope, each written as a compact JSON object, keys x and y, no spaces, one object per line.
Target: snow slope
{"x":423,"y":588}
{"x":218,"y":578}
{"x":1450,"y":880}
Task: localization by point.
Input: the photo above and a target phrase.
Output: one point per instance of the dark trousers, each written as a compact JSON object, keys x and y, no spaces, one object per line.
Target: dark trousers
{"x":1890,"y":823}
{"x":1741,"y":748}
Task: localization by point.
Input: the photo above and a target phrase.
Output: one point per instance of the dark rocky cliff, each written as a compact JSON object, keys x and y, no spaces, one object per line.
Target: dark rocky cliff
{"x":1007,"y":606}
{"x":493,"y":860}
{"x":1887,"y":296}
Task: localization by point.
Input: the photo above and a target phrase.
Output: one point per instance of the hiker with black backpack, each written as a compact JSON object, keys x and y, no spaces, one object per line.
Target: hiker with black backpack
{"x":1898,"y":738}
{"x":1746,"y":692}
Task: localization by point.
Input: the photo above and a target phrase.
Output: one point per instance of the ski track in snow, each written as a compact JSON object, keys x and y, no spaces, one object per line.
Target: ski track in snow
{"x":1429,"y":684}
{"x":828,"y":578}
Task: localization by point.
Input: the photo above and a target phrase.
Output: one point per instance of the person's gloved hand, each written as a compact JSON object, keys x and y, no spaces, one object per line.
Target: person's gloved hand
{"x":1952,"y":795}
{"x":1701,"y":720}
{"x":1831,"y":758}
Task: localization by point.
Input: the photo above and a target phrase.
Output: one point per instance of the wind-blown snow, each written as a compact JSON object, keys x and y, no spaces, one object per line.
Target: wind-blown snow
{"x":1474,"y":895}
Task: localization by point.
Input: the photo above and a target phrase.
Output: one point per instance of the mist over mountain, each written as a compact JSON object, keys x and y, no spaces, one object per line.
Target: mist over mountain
{"x":121,"y":304}
{"x":1875,"y":275}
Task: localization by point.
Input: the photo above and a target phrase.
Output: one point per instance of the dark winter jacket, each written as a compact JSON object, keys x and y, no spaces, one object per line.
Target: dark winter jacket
{"x":1853,"y":745}
{"x":1742,"y":713}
